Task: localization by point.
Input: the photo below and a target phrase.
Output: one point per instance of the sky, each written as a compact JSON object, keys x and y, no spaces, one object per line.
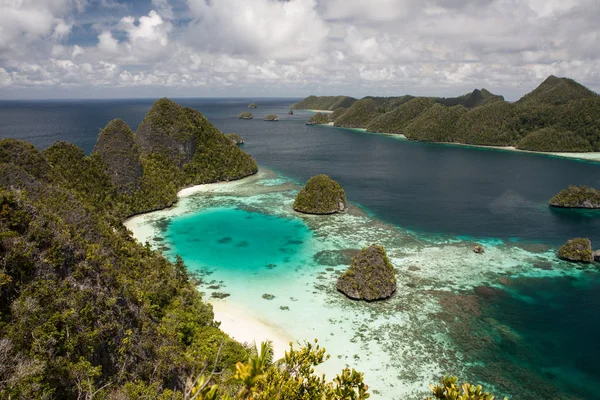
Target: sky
{"x":294,"y":48}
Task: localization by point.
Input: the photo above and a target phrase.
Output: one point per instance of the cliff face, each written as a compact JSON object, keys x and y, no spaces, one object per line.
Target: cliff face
{"x":168,"y":130}
{"x":118,"y":150}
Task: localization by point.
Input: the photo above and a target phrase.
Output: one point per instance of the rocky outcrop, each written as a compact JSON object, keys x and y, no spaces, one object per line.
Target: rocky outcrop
{"x":118,"y":150}
{"x":245,"y":115}
{"x":318,"y":119}
{"x":168,"y":130}
{"x":478,"y":249}
{"x":370,"y":277}
{"x":271,"y":117}
{"x":291,"y":112}
{"x":321,"y":195}
{"x":577,"y":197}
{"x":577,"y":250}
{"x":597,"y":256}
{"x":252,"y":105}
{"x":235,"y":138}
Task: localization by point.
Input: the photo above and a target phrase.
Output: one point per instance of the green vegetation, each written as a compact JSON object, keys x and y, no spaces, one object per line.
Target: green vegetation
{"x":448,"y":389}
{"x":235,"y":138}
{"x":252,"y":105}
{"x":557,"y":91}
{"x":370,"y":277}
{"x":436,"y":124}
{"x":559,"y":116}
{"x":577,"y":197}
{"x":396,"y":120}
{"x":117,"y":148}
{"x":320,"y":195}
{"x":337,"y":113}
{"x":271,"y":117}
{"x":329,"y":103}
{"x":359,"y":114}
{"x":495,"y":124}
{"x":245,"y":115}
{"x":471,"y":100}
{"x":318,"y":118}
{"x":554,"y":139}
{"x":577,"y":250}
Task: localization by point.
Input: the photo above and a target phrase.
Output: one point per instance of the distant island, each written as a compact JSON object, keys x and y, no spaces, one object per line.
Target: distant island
{"x":271,"y":117}
{"x":560,"y":115}
{"x":252,"y":105}
{"x":245,"y":115}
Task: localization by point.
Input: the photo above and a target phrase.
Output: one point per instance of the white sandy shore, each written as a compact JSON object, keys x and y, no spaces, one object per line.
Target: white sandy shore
{"x":321,"y":111}
{"x":244,"y":326}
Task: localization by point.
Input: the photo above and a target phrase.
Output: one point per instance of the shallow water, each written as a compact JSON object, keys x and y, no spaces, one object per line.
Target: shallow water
{"x":426,"y":330}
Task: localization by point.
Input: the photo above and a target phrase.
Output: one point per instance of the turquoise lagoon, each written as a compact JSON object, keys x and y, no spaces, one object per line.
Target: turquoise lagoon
{"x":245,"y":241}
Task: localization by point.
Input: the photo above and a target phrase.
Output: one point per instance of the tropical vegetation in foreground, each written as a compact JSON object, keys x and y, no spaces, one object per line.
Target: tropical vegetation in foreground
{"x":86,"y":312}
{"x":560,"y":115}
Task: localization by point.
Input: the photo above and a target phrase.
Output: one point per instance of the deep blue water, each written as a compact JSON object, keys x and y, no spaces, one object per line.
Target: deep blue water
{"x":429,"y":188}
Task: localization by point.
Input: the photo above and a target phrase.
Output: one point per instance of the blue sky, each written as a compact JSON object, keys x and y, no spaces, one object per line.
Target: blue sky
{"x":198,"y":48}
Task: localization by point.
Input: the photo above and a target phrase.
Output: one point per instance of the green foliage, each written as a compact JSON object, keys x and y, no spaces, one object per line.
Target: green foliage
{"x":471,"y":100}
{"x":337,"y":113}
{"x":556,"y":91}
{"x":370,"y":277}
{"x":359,"y":114}
{"x":292,"y":377}
{"x":320,"y":195}
{"x":436,"y":124}
{"x":448,"y":389}
{"x":245,"y":115}
{"x":578,"y":249}
{"x":323,"y":103}
{"x":495,"y":124}
{"x":318,"y":118}
{"x":117,"y":148}
{"x":554,"y":139}
{"x":396,"y":120}
{"x":271,"y":117}
{"x":252,"y":105}
{"x":577,"y":197}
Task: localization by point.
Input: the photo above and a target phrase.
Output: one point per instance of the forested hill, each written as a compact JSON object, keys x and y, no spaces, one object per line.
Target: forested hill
{"x":560,"y":115}
{"x":83,"y":307}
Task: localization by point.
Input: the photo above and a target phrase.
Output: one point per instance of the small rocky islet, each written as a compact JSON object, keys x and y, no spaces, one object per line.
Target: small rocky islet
{"x":578,"y":250}
{"x":577,"y":197}
{"x":370,"y":277}
{"x":245,"y":115}
{"x":321,"y":195}
{"x":271,"y":117}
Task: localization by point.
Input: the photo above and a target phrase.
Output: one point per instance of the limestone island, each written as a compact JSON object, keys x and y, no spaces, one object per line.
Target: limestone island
{"x":291,"y":112}
{"x":577,"y":197}
{"x":577,"y":250}
{"x":370,"y":277}
{"x":318,"y":119}
{"x":560,"y":115}
{"x":272,"y":117}
{"x":321,"y":195}
{"x":235,"y":138}
{"x":245,"y":115}
{"x":252,"y":105}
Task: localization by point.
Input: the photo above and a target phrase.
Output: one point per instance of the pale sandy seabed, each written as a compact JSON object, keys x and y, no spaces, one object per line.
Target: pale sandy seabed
{"x":400,"y":344}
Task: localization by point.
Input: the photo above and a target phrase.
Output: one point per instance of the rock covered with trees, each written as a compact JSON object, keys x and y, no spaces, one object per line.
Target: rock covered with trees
{"x":245,"y":115}
{"x":235,"y":138}
{"x":252,"y":105}
{"x":577,"y":250}
{"x":321,"y":195}
{"x":577,"y":197}
{"x":271,"y":117}
{"x":371,"y":276}
{"x":318,"y":119}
